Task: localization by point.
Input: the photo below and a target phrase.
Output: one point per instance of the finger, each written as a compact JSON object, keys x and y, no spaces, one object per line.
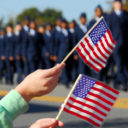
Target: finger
{"x":54,"y":78}
{"x":60,"y":124}
{"x":53,"y":71}
{"x":57,"y":123}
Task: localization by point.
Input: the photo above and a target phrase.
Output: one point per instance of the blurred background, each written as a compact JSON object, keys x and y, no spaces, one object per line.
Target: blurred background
{"x":38,"y":34}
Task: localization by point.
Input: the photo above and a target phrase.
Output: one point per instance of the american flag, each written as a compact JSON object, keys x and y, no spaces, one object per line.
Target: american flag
{"x":91,"y":100}
{"x":97,"y":46}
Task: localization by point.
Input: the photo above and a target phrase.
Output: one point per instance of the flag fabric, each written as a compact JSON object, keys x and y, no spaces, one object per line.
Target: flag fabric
{"x":91,"y":100}
{"x":97,"y":46}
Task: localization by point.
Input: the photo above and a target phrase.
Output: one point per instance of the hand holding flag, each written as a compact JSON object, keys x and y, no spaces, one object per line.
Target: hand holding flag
{"x":96,"y":46}
{"x":90,"y":100}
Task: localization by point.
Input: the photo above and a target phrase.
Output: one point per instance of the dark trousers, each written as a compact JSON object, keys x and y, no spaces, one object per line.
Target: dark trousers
{"x":9,"y":71}
{"x":19,"y":70}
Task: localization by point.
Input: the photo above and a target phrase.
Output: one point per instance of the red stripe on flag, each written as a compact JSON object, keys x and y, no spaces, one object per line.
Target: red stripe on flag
{"x":82,"y":117}
{"x":84,"y":58}
{"x":88,"y":53}
{"x":84,"y":111}
{"x":102,"y":44}
{"x":107,"y":87}
{"x":110,"y":46}
{"x":105,"y":93}
{"x":88,"y":43}
{"x":111,"y":38}
{"x":93,"y":51}
{"x":101,"y":52}
{"x":98,"y":103}
{"x":89,"y":106}
{"x":101,"y":98}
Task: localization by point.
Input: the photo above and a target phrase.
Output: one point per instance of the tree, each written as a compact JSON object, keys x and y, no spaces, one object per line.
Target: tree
{"x":1,"y":22}
{"x":126,"y":5}
{"x":34,"y":13}
{"x":50,"y":15}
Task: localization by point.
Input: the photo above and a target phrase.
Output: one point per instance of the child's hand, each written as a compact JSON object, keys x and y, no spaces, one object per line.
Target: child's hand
{"x":47,"y":123}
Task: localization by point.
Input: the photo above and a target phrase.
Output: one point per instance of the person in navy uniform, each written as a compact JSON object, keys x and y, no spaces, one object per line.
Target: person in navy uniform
{"x":73,"y":43}
{"x":81,"y":31}
{"x":102,"y":75}
{"x":2,"y":52}
{"x":32,"y":50}
{"x":47,"y":50}
{"x":118,"y":23}
{"x":9,"y":53}
{"x":41,"y":31}
{"x":56,"y":39}
{"x":17,"y":52}
{"x":98,"y":13}
{"x":64,"y":49}
{"x":24,"y":44}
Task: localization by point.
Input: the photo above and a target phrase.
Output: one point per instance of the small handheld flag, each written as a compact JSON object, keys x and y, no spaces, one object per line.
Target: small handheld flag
{"x":90,"y":100}
{"x":96,"y":46}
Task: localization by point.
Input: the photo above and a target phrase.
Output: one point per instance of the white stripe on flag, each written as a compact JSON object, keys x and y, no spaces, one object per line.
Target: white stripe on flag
{"x":98,"y":100}
{"x":102,"y":95}
{"x":90,"y":103}
{"x":101,"y":48}
{"x":88,"y":59}
{"x":92,"y":55}
{"x":86,"y":108}
{"x":106,"y":90}
{"x":105,"y":45}
{"x":109,"y":41}
{"x":96,"y":50}
{"x":83,"y":114}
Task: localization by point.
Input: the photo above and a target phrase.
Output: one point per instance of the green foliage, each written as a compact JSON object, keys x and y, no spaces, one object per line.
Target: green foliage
{"x":32,"y":12}
{"x":1,"y":22}
{"x":48,"y":15}
{"x":126,"y":5}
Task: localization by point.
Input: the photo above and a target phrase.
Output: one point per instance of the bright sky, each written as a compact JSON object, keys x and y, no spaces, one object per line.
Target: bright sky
{"x":71,"y":8}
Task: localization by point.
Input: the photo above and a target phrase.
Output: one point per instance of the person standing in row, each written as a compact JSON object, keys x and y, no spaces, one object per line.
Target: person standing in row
{"x":24,"y":44}
{"x":64,"y":49}
{"x":81,"y":31}
{"x":74,"y":41}
{"x":17,"y":51}
{"x":2,"y":52}
{"x":9,"y":53}
{"x":102,"y":75}
{"x":32,"y":47}
{"x":41,"y":31}
{"x":118,"y":23}
{"x":56,"y":39}
{"x":48,"y":43}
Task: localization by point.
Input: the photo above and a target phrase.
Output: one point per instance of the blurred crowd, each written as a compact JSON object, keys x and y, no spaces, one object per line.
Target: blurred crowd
{"x":27,"y":47}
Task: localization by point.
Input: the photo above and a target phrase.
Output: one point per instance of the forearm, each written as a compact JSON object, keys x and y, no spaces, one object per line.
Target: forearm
{"x":14,"y":104}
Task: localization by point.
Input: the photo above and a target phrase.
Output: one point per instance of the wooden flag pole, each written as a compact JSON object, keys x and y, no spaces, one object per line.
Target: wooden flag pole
{"x":70,"y":53}
{"x":70,"y":93}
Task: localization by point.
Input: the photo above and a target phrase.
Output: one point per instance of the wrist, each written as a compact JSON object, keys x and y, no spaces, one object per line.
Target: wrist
{"x":23,"y":92}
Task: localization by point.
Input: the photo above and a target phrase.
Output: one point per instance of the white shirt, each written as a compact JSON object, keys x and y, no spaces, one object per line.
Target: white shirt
{"x":48,"y":33}
{"x":97,"y":18}
{"x":9,"y":34}
{"x":65,"y":32}
{"x":17,"y":33}
{"x":71,"y":30}
{"x":58,"y":28}
{"x":83,"y":28}
{"x":118,"y":12}
{"x":32,"y":32}
{"x":26,"y":28}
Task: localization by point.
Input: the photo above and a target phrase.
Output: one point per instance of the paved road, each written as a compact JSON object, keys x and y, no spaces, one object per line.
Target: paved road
{"x":48,"y":107}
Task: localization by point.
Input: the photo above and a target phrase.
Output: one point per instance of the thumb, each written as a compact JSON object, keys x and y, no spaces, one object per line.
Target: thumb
{"x":55,"y":70}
